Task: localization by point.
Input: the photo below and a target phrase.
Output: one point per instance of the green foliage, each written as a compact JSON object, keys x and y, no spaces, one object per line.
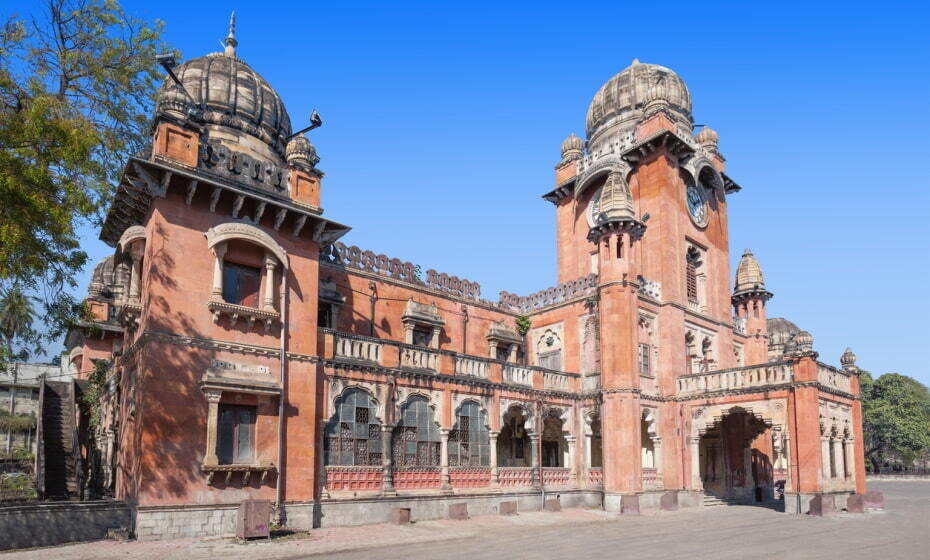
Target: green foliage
{"x":17,"y":423}
{"x":17,"y":487}
{"x":76,"y":90}
{"x":523,"y":324}
{"x":896,"y":418}
{"x":16,"y":317}
{"x":96,"y":387}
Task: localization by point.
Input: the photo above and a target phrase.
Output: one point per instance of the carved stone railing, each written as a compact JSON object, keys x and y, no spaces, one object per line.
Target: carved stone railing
{"x":595,"y":476}
{"x":739,"y":325}
{"x":382,"y":265}
{"x":358,"y":349}
{"x":261,"y":470}
{"x":515,"y":476}
{"x":649,"y":288}
{"x":471,"y":366}
{"x":693,"y":305}
{"x":419,"y":358}
{"x":833,"y":378}
{"x":518,"y":375}
{"x":341,"y":478}
{"x":470,"y":477}
{"x":556,"y":476}
{"x":550,"y":296}
{"x":651,"y":479}
{"x":750,"y":377}
{"x":591,"y":382}
{"x":555,"y":381}
{"x":235,"y":312}
{"x":416,"y":478}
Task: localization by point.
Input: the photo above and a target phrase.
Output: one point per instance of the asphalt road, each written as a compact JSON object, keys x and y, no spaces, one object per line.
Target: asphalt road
{"x":737,"y":532}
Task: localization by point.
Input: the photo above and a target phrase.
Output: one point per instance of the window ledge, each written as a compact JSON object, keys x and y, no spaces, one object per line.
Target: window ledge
{"x":235,"y":312}
{"x":262,"y":468}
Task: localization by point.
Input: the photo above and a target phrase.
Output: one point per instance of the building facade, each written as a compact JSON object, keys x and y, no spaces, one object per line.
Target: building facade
{"x":255,"y":355}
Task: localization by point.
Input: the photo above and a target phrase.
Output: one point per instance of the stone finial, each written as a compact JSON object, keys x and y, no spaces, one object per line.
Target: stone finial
{"x":230,"y":41}
{"x":572,"y":147}
{"x":707,"y":137}
{"x":616,"y":199}
{"x":301,"y":153}
{"x":749,"y":277}
{"x":848,"y":359}
{"x":805,"y":341}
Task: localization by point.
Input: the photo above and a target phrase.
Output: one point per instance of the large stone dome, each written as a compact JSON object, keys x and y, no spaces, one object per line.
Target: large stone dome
{"x":227,"y":93}
{"x":620,"y":102}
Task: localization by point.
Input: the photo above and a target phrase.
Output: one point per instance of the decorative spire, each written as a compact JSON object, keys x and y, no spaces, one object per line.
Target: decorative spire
{"x":616,"y":208}
{"x":749,"y":279}
{"x":231,"y":42}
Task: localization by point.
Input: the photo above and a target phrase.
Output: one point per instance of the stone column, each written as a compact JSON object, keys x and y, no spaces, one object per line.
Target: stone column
{"x":434,"y":341}
{"x":492,"y":349}
{"x":512,"y":355}
{"x":789,"y":483}
{"x":534,"y":460}
{"x":573,"y":476}
{"x":213,"y":407}
{"x":408,"y":332}
{"x":825,"y":458}
{"x":848,"y":459}
{"x":446,"y":486}
{"x":135,"y":251}
{"x":270,"y":263}
{"x":387,"y":461}
{"x":838,"y":459}
{"x":495,"y":474}
{"x":657,"y":459}
{"x":696,"y":483}
{"x":219,"y":251}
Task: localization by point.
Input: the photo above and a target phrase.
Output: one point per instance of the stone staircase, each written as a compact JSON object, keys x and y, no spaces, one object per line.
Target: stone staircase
{"x":58,"y":446}
{"x":711,"y":500}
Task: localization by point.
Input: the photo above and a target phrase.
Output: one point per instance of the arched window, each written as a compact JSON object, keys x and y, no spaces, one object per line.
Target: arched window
{"x":596,"y":456}
{"x":513,"y":443}
{"x":469,"y":443}
{"x":553,"y":442}
{"x":416,"y":437}
{"x":353,"y":436}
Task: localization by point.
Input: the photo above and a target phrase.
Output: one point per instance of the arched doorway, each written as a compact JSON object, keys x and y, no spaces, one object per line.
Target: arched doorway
{"x":735,"y":458}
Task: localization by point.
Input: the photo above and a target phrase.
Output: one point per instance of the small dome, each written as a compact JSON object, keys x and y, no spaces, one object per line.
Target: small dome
{"x":101,"y":278}
{"x":707,"y":136}
{"x":805,"y":341}
{"x":228,"y":93}
{"x":781,"y":330}
{"x":848,"y":359}
{"x":619,"y":102}
{"x":749,"y":278}
{"x":616,"y":202}
{"x":300,"y":152}
{"x":572,"y":147}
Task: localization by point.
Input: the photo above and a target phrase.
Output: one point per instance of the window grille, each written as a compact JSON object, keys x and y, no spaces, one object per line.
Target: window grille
{"x":240,"y":284}
{"x":469,"y":443}
{"x":353,"y":436}
{"x":416,"y":441}
{"x":645,"y":367}
{"x":235,"y":440}
{"x":551,"y":360}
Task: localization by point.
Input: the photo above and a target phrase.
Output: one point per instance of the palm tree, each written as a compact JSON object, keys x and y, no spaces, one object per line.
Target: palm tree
{"x":16,"y":317}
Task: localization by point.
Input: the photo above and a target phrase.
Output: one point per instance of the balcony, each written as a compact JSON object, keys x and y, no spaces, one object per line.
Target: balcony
{"x":832,"y":378}
{"x":753,"y":377}
{"x":412,"y":357}
{"x":518,"y":375}
{"x":555,"y":381}
{"x":358,"y":349}
{"x":471,"y":367}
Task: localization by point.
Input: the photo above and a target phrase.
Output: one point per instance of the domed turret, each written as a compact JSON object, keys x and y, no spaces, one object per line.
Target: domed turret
{"x":301,"y":153}
{"x":615,"y":208}
{"x":572,"y":147}
{"x":620,"y":103}
{"x":805,"y":341}
{"x":707,"y":137}
{"x":232,"y":99}
{"x":848,"y":359}
{"x":749,"y":278}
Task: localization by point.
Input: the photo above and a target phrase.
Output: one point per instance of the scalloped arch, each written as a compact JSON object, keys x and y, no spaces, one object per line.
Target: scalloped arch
{"x":248,"y":232}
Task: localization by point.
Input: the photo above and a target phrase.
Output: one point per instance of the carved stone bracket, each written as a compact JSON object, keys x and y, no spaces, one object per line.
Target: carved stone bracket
{"x":250,"y":314}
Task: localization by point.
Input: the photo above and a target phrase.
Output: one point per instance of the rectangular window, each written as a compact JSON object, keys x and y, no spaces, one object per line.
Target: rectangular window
{"x":422,"y":336}
{"x":691,"y":279}
{"x":645,"y":367}
{"x":240,"y":284}
{"x":503,"y":353}
{"x":325,"y":316}
{"x":235,"y":438}
{"x":551,"y":360}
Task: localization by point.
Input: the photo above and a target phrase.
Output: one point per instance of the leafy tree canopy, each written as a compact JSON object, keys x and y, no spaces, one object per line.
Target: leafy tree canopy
{"x":77,"y":85}
{"x":896,"y":417}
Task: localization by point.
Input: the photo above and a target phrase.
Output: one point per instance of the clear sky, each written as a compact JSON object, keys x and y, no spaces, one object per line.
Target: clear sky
{"x":443,"y":123}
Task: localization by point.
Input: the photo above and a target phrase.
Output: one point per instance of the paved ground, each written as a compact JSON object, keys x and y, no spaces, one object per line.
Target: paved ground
{"x":721,"y":533}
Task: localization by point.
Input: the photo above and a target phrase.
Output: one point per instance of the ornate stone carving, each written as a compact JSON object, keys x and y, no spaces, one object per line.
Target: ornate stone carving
{"x":248,"y":232}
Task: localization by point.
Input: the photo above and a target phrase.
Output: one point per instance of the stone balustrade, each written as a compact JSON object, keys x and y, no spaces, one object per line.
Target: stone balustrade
{"x":650,"y":478}
{"x":649,"y":288}
{"x":515,"y":476}
{"x":358,"y":349}
{"x":555,"y":381}
{"x":471,"y":367}
{"x":778,"y":373}
{"x":550,"y":296}
{"x":518,"y":375}
{"x":591,"y":382}
{"x":556,"y":476}
{"x":419,"y":358}
{"x":833,"y":378}
{"x":595,"y":476}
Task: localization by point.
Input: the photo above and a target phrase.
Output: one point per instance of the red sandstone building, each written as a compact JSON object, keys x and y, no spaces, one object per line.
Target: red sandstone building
{"x":254,"y":355}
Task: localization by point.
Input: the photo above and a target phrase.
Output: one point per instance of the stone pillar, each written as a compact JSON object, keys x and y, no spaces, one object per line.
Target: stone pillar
{"x":495,"y":474}
{"x":571,"y":441}
{"x":446,"y":486}
{"x":408,"y":332}
{"x":825,"y":458}
{"x":512,"y":355}
{"x":838,"y":459}
{"x":219,"y":251}
{"x":492,"y":349}
{"x":848,"y":459}
{"x":135,"y":251}
{"x":387,"y":461}
{"x":657,"y":458}
{"x":789,"y":480}
{"x":534,"y":460}
{"x":270,"y":263}
{"x":213,"y":407}
{"x":696,"y":483}
{"x":434,"y":341}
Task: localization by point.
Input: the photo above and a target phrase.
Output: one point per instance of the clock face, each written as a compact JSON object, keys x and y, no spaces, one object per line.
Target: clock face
{"x":697,"y":205}
{"x":594,"y":208}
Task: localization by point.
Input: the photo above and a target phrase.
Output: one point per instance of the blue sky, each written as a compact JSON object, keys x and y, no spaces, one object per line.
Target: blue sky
{"x":443,"y":122}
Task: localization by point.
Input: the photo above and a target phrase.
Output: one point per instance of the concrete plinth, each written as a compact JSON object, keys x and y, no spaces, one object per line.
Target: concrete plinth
{"x":508,"y":508}
{"x":553,"y":504}
{"x":855,"y":503}
{"x":874,"y":500}
{"x":629,"y":504}
{"x":669,"y":501}
{"x":822,"y":505}
{"x":458,"y":511}
{"x":400,"y":516}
